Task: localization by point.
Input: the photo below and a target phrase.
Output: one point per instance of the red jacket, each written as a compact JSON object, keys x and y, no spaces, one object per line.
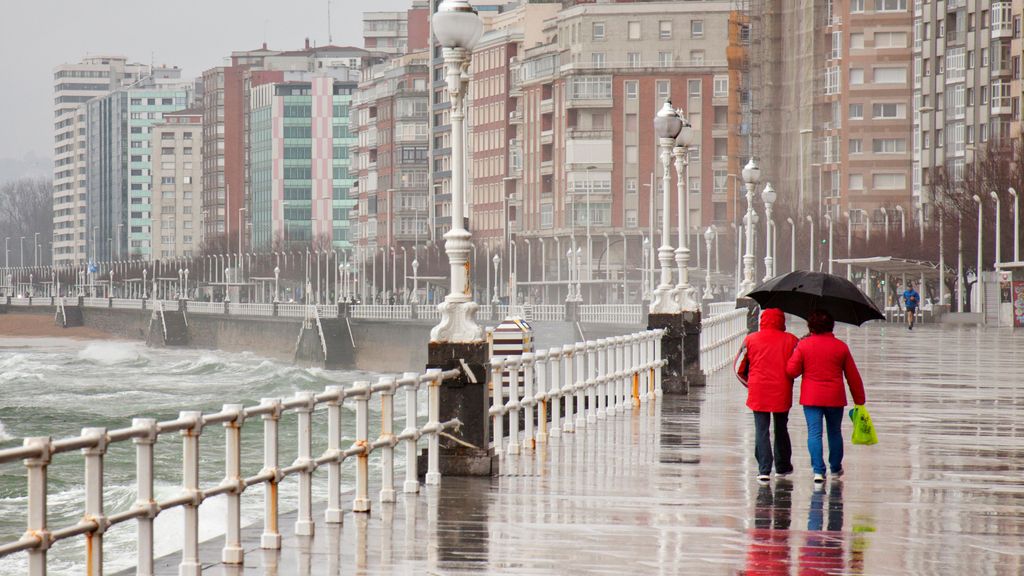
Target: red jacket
{"x":822,"y":360}
{"x":769,"y":389}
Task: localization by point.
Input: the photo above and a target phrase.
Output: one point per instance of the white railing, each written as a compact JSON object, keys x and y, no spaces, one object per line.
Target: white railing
{"x":548,"y":312}
{"x":327,"y":310}
{"x":38,"y":453}
{"x":720,"y":339}
{"x":22,"y":301}
{"x":169,"y":305}
{"x":291,"y":310}
{"x":95,"y":302}
{"x":205,"y":307}
{"x":428,"y":312}
{"x":382,"y":312}
{"x":579,"y":383}
{"x":612,"y":313}
{"x":245,"y":309}
{"x":717,"y":308}
{"x":126,"y":303}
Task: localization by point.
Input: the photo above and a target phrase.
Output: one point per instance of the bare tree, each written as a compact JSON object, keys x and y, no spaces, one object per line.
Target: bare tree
{"x":26,"y":209}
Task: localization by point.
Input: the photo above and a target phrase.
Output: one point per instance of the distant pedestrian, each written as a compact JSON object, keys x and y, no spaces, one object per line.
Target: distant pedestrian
{"x":911,"y":300}
{"x":823,"y":360}
{"x":770,"y":392}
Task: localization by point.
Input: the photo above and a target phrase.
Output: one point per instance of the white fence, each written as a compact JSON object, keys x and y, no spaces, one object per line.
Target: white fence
{"x":97,"y":303}
{"x":126,"y":303}
{"x":382,"y":312}
{"x":246,"y":309}
{"x":291,"y":310}
{"x":546,"y":312}
{"x":720,"y":339}
{"x":38,"y":456}
{"x":612,"y":314}
{"x":580,"y":384}
{"x":717,"y":308}
{"x":205,"y":307}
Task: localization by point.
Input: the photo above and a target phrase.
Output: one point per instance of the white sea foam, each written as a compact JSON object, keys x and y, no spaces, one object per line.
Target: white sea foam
{"x":111,"y":353}
{"x":4,"y":435}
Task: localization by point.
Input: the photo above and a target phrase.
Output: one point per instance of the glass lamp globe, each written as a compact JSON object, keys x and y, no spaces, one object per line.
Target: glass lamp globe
{"x":457,"y":25}
{"x":751,"y":172}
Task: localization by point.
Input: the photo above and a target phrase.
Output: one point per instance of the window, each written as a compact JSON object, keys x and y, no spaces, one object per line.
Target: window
{"x":888,"y":110}
{"x":663,"y":88}
{"x":721,"y":86}
{"x":665,"y":30}
{"x":856,"y":6}
{"x":696,"y":29}
{"x":693,"y":88}
{"x":856,"y":111}
{"x":631,"y":221}
{"x":856,"y":181}
{"x":856,"y":76}
{"x":597,"y":59}
{"x":597,"y":30}
{"x":665,"y":59}
{"x":890,"y":39}
{"x":632,"y":88}
{"x":633,"y":30}
{"x":892,"y":75}
{"x":890,"y":5}
{"x":856,"y":42}
{"x":889,"y":181}
{"x":856,"y":146}
{"x":546,"y":216}
{"x":630,"y":185}
{"x":631,"y":154}
{"x":888,"y":145}
{"x":633,"y":59}
{"x":696,"y":57}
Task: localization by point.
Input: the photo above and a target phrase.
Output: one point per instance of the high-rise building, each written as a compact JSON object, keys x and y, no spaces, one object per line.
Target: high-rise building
{"x":397,"y":33}
{"x":176,"y":145}
{"x":389,"y":120}
{"x":591,"y":167}
{"x":75,"y":84}
{"x":119,"y":163}
{"x":966,"y":74}
{"x":299,"y":160}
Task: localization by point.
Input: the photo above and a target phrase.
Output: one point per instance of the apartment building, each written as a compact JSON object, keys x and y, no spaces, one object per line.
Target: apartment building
{"x":590,"y":157}
{"x":74,"y":85}
{"x":120,"y":163}
{"x":389,"y":158}
{"x":864,"y":139}
{"x":967,"y":60}
{"x":176,"y":145}
{"x":299,"y":141}
{"x":397,"y":33}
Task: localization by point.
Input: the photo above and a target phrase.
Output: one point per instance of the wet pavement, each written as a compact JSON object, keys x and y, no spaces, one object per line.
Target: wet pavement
{"x":670,"y":488}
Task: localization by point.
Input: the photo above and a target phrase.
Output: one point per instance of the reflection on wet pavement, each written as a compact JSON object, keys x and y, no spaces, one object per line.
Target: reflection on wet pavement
{"x":670,"y":488}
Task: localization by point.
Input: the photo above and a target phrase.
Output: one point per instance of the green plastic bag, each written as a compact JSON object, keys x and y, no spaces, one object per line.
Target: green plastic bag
{"x":863,"y":429}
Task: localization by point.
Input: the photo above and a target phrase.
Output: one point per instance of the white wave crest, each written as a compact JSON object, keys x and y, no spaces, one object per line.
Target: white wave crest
{"x":111,"y":353}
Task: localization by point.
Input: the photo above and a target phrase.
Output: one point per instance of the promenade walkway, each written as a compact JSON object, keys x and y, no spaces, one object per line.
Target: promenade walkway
{"x":941,"y":494}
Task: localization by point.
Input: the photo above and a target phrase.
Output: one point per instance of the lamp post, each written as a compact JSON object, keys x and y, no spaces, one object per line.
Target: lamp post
{"x":709,"y":237}
{"x":810,"y":251}
{"x":999,"y":231}
{"x":277,"y":284}
{"x":903,"y":222}
{"x":579,"y":266}
{"x":751,"y":177}
{"x":457,"y":27}
{"x":978,"y":284}
{"x":769,"y":196}
{"x":646,"y":264}
{"x":415,"y":280}
{"x":686,"y":136}
{"x":831,"y":253}
{"x":885,"y":218}
{"x":184,"y":295}
{"x":667,"y":125}
{"x":497,"y":279}
{"x":35,"y":249}
{"x":1016,"y":225}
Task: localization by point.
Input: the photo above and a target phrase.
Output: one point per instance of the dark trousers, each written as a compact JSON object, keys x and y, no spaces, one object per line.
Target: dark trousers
{"x":782,"y":455}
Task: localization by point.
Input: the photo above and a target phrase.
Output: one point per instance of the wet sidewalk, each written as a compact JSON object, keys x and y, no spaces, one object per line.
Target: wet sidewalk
{"x":672,"y":490}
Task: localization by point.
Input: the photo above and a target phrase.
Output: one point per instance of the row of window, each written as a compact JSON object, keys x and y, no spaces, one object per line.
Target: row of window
{"x":634,"y":30}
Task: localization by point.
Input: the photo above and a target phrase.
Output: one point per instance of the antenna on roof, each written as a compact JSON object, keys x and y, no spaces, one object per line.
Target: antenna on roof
{"x":330,"y":36}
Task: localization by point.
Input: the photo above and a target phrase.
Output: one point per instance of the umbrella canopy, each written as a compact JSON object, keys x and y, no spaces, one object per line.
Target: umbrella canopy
{"x":800,"y":293}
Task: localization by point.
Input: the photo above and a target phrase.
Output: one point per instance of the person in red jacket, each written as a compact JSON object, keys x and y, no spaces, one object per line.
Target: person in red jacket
{"x":770,"y":392}
{"x":822,"y":360}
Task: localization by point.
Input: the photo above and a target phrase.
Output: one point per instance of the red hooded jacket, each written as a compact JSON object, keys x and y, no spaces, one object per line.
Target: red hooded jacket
{"x":822,"y":360}
{"x":769,"y":389}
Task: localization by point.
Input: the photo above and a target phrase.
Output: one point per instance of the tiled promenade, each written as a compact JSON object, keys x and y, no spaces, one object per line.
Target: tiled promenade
{"x":674,"y":492}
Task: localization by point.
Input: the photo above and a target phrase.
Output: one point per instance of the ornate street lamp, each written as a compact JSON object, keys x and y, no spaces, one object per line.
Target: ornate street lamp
{"x":277,"y":281}
{"x":415,"y":280}
{"x":769,"y":196}
{"x":751,"y":178}
{"x":457,"y":27}
{"x":667,"y":125}
{"x":687,"y":137}
{"x":497,"y":280}
{"x":709,"y":237}
{"x":999,"y":231}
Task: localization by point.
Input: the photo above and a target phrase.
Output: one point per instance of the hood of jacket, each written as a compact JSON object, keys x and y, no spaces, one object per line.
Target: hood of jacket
{"x":773,"y":319}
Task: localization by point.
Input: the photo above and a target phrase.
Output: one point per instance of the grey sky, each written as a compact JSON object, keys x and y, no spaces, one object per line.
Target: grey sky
{"x":36,"y":35}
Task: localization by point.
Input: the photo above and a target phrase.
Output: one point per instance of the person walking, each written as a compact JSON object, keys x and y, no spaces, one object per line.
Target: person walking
{"x":822,"y":360}
{"x":770,"y":392}
{"x":911,"y":299}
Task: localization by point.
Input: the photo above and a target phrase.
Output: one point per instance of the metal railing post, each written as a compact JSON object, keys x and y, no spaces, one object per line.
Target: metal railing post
{"x":657,"y":356}
{"x":233,"y":552}
{"x":144,"y":497}
{"x":555,"y":395}
{"x":190,"y":565}
{"x":361,"y":503}
{"x":580,"y":384}
{"x":387,"y":436}
{"x":37,"y":529}
{"x":433,"y":476}
{"x":497,"y":402}
{"x":540,"y":371}
{"x":591,"y":380}
{"x":602,"y":379}
{"x":513,"y":407}
{"x":529,"y":437}
{"x":304,"y":523}
{"x":94,"y":499}
{"x":334,"y":513}
{"x":567,"y":385}
{"x":412,"y":483}
{"x":271,"y":537}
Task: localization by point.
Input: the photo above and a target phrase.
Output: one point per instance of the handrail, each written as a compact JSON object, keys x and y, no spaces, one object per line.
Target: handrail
{"x":38,"y":454}
{"x":320,"y":330}
{"x":159,"y":309}
{"x":602,"y":377}
{"x":720,"y":338}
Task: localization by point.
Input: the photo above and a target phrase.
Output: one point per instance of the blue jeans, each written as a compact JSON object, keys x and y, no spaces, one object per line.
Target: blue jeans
{"x":833,"y":422}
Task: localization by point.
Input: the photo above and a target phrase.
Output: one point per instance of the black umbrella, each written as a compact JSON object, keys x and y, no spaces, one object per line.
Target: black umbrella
{"x":800,"y":293}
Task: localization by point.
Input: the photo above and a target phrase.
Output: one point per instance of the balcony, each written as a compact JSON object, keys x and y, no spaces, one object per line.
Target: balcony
{"x":580,"y":134}
{"x":547,"y":136}
{"x":547,"y":167}
{"x":1001,"y":107}
{"x":1002,"y":20}
{"x":515,"y":117}
{"x":547,"y":106}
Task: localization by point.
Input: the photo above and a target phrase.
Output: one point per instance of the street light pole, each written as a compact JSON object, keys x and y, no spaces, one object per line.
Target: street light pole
{"x":751,"y":177}
{"x":496,"y":300}
{"x":828,"y":218}
{"x":685,"y":293}
{"x":999,"y":231}
{"x":667,"y":125}
{"x":810,"y":252}
{"x":849,"y":243}
{"x":979,"y":283}
{"x":709,"y":237}
{"x":903,"y":222}
{"x":1016,"y":225}
{"x":769,"y":197}
{"x":885,"y":217}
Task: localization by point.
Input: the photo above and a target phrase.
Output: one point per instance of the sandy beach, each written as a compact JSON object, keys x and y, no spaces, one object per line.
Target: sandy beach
{"x":43,"y":326}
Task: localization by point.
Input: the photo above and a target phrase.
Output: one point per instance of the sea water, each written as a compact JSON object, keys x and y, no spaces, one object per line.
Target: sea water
{"x":55,"y":387}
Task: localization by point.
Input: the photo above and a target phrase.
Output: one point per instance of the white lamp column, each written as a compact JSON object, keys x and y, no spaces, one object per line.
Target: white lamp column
{"x":667,"y":125}
{"x":751,"y":177}
{"x":769,"y":197}
{"x":685,"y":293}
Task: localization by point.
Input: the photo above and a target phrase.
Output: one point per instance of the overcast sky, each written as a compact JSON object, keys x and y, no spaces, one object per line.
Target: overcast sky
{"x":36,"y":35}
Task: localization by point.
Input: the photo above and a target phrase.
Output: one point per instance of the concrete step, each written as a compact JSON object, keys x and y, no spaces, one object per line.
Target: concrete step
{"x":177,"y":328}
{"x":73,"y":317}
